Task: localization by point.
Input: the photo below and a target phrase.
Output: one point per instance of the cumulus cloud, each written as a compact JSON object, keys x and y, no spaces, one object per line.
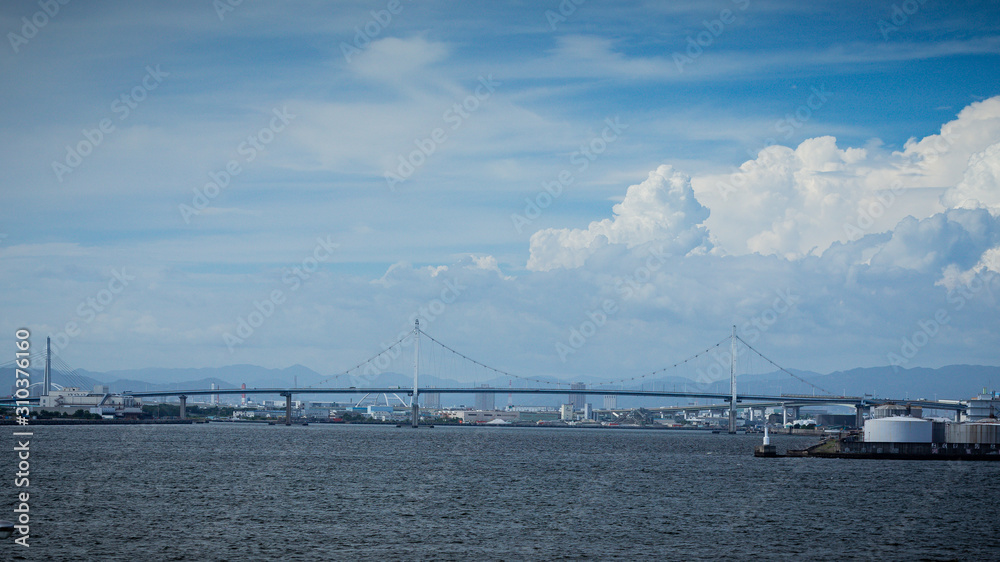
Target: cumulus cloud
{"x":864,"y":242}
{"x":795,"y":202}
{"x":958,"y":238}
{"x":980,"y":186}
{"x":661,"y":208}
{"x":941,"y":160}
{"x":487,"y":263}
{"x":788,"y":201}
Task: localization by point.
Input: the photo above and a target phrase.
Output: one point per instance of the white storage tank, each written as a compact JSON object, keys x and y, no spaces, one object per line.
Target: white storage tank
{"x":901,"y":429}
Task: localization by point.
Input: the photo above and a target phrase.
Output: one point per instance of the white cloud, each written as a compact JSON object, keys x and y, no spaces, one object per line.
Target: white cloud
{"x":980,"y":187}
{"x":399,"y":60}
{"x":797,"y":202}
{"x":940,"y":160}
{"x":958,"y":237}
{"x":662,"y":208}
{"x":488,"y":263}
{"x":786,"y":201}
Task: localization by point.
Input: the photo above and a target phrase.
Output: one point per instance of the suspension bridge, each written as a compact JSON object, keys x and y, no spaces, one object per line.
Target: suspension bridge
{"x":367,"y":370}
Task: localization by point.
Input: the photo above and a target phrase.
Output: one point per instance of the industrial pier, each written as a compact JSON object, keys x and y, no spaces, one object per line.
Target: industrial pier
{"x":905,"y":438}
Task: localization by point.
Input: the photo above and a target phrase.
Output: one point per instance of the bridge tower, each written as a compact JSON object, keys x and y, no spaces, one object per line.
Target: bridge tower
{"x":732,"y":383}
{"x":414,"y":405}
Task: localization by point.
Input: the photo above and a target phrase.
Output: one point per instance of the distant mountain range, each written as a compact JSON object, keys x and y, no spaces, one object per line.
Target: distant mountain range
{"x":950,"y":382}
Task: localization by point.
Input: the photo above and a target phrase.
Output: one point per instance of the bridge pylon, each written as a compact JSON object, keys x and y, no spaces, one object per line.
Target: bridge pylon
{"x":414,"y":404}
{"x":288,"y":407}
{"x":732,"y":383}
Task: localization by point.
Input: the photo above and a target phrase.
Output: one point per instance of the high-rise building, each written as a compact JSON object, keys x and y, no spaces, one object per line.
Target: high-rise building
{"x":485,"y":400}
{"x":566,"y":412}
{"x":577,"y":400}
{"x":610,"y":401}
{"x":432,"y":400}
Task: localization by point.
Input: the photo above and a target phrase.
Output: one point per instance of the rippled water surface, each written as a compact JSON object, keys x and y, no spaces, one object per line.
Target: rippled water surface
{"x":322,"y":492}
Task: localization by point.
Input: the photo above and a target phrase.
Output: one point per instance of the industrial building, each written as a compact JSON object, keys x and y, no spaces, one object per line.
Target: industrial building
{"x":481,"y":416}
{"x":100,"y":401}
{"x":984,"y":406}
{"x":895,"y":410}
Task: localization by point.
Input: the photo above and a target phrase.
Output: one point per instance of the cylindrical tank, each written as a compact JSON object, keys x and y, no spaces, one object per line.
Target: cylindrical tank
{"x":901,"y":429}
{"x":973,"y":433}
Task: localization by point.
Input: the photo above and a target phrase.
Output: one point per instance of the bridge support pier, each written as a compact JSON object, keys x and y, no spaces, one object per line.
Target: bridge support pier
{"x":732,"y":417}
{"x":415,"y":413}
{"x":184,"y":402}
{"x":288,"y":407}
{"x":859,"y":416}
{"x":784,"y":414}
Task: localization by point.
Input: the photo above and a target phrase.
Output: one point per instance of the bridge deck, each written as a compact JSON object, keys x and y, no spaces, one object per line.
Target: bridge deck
{"x":725,"y":397}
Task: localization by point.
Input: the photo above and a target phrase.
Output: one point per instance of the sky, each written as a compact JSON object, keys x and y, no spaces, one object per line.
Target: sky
{"x":567,"y":189}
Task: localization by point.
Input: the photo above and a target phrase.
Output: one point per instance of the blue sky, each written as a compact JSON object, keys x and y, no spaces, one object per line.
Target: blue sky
{"x":847,"y":155}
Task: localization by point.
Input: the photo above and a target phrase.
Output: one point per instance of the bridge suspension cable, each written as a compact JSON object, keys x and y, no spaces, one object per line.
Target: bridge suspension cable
{"x":498,"y":371}
{"x":658,"y":371}
{"x":365,"y":362}
{"x":782,"y":369}
{"x":68,"y":375}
